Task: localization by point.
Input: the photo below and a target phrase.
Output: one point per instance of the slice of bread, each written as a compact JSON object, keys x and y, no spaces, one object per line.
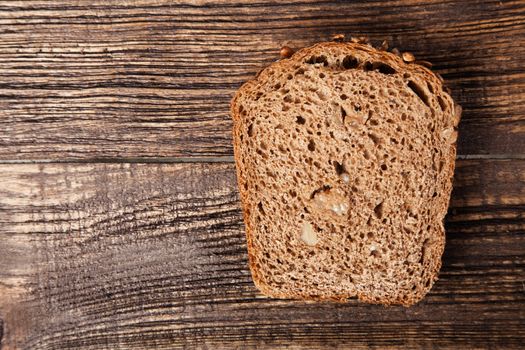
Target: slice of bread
{"x":345,"y":156}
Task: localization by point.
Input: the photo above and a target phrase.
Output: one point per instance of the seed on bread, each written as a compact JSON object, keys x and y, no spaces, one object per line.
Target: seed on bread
{"x":450,"y":135}
{"x":286,"y":52}
{"x":383,"y":46}
{"x":408,"y":57}
{"x":308,"y":234}
{"x":338,"y":37}
{"x":330,"y":200}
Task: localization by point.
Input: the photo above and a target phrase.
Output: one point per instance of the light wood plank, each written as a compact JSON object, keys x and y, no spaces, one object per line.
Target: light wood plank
{"x":113,"y":79}
{"x":104,"y":256}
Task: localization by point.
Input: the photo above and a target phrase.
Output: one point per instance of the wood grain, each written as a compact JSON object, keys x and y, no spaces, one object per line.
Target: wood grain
{"x":104,"y":256}
{"x":133,"y":256}
{"x":120,"y":79}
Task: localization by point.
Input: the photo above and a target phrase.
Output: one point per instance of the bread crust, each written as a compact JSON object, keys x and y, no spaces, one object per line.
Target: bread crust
{"x":360,"y":50}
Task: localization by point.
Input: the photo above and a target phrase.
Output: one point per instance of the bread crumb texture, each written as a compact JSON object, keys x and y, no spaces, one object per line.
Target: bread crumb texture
{"x":345,"y":156}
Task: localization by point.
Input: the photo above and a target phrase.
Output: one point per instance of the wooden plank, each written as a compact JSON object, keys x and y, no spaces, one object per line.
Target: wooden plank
{"x":102,"y":256}
{"x":89,"y":80}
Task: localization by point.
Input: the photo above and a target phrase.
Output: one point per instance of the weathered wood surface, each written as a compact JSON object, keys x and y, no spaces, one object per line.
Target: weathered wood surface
{"x":119,"y":255}
{"x":126,"y":79}
{"x":105,"y":256}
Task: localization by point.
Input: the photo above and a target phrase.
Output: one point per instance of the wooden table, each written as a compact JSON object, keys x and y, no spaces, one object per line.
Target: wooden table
{"x":120,"y":223}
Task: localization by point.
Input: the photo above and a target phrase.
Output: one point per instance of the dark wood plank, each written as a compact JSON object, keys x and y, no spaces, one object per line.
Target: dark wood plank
{"x":102,"y":256}
{"x":85,"y":80}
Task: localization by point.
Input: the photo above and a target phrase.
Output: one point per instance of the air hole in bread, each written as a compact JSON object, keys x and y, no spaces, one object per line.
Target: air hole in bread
{"x":321,"y":189}
{"x":357,"y":107}
{"x":378,"y":210}
{"x":262,"y":154}
{"x":339,"y":168}
{"x":375,"y":139}
{"x":343,"y":97}
{"x":311,"y":145}
{"x":424,"y":248}
{"x":318,"y":59}
{"x":442,"y":103}
{"x":343,"y":114}
{"x":260,"y":208}
{"x":430,"y":87}
{"x":321,"y":75}
{"x":383,"y":68}
{"x":350,"y":62}
{"x":384,"y":167}
{"x":368,"y":66}
{"x":250,"y":130}
{"x":440,"y":167}
{"x":419,"y":91}
{"x":300,"y":120}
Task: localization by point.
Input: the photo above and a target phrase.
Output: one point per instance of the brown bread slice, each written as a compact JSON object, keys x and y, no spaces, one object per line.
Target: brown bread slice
{"x":345,"y":156}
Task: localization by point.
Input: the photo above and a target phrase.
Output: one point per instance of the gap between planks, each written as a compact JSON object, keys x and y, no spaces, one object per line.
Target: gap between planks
{"x":224,"y":159}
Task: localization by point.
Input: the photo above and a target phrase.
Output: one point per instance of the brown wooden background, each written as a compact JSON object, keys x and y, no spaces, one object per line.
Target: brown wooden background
{"x":120,"y":224}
